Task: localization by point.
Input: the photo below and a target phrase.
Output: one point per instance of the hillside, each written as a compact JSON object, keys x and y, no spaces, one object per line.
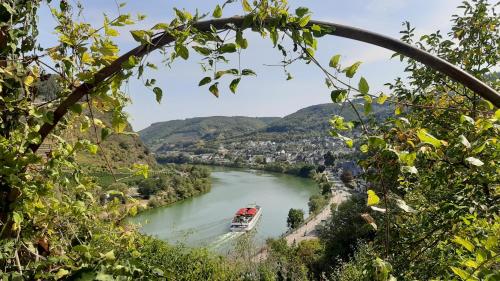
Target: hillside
{"x":314,"y":119}
{"x":121,"y":150}
{"x":309,"y":121}
{"x":192,"y":130}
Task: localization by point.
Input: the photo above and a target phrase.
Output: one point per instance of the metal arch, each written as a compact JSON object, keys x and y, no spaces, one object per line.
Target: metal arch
{"x":354,"y":33}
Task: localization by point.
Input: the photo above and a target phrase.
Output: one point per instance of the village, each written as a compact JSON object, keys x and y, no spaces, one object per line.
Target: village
{"x":325,"y":154}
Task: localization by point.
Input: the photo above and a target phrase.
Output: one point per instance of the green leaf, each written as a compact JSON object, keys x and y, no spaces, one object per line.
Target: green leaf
{"x":242,"y":42}
{"x":464,"y":275}
{"x":248,"y":72}
{"x":351,"y":70}
{"x":334,"y":61}
{"x":368,"y":107}
{"x":464,"y":243}
{"x":465,"y":118}
{"x":158,"y":93}
{"x":61,"y":273}
{"x":161,"y":26}
{"x":133,"y":211}
{"x":234,"y":85}
{"x":217,"y":12}
{"x":110,"y":256}
{"x":373,"y":199}
{"x":202,"y":50}
{"x":228,"y":48}
{"x":479,"y":148}
{"x":274,"y":36}
{"x":304,"y":21}
{"x":474,"y":161}
{"x":141,"y":36}
{"x":77,"y":108}
{"x":349,"y":142}
{"x":363,"y":86}
{"x":130,"y":63}
{"x":470,"y":263}
{"x":338,"y":96}
{"x":119,"y":123}
{"x":382,"y":98}
{"x":424,"y":136}
{"x":376,"y":142}
{"x":87,"y":58}
{"x":316,"y":28}
{"x":308,"y":38}
{"x":93,"y":148}
{"x":110,"y":31}
{"x":101,"y":276}
{"x":398,"y":110}
{"x":182,"y":51}
{"x":214,"y":89}
{"x":17,"y":219}
{"x":205,"y":81}
{"x":105,"y":132}
{"x":246,"y":6}
{"x":301,"y":11}
{"x":364,"y":148}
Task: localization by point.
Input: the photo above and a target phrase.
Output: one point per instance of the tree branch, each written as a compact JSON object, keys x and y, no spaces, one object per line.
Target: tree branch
{"x":339,"y":30}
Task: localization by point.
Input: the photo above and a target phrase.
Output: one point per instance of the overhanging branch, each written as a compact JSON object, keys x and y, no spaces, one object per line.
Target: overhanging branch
{"x":362,"y":35}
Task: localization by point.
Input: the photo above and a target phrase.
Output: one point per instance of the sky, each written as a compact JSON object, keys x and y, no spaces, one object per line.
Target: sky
{"x":267,"y":94}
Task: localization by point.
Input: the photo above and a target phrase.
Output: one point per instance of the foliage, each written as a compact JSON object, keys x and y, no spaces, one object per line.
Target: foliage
{"x":295,"y":218}
{"x":189,"y":131}
{"x":345,"y":229}
{"x":317,"y":203}
{"x":285,"y":262}
{"x":175,"y":183}
{"x":434,"y":166}
{"x":359,"y":268}
{"x":346,"y":177}
{"x":329,"y":158}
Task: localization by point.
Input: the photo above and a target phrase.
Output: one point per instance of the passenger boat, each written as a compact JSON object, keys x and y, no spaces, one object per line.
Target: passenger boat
{"x":245,"y":219}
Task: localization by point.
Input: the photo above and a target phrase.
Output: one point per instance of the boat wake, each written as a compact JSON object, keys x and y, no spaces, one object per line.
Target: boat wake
{"x":225,"y":238}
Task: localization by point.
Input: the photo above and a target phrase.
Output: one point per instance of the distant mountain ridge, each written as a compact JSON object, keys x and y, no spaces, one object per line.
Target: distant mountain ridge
{"x":312,"y":120}
{"x":201,"y":128}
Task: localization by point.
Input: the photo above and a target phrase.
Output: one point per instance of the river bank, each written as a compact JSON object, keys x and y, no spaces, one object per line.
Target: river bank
{"x":297,"y":169}
{"x":308,"y":230}
{"x":204,"y":220}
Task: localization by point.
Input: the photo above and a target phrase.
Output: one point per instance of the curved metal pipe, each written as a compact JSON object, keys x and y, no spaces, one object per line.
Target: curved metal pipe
{"x":354,"y":33}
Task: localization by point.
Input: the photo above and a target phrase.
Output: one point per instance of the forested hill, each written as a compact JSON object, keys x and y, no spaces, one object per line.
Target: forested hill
{"x":121,"y":150}
{"x":312,"y":120}
{"x":202,"y":128}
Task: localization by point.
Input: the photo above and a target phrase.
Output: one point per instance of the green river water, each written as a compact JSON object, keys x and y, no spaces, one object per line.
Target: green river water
{"x":204,"y":220}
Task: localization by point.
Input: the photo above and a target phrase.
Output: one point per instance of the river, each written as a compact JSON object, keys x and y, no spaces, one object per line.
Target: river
{"x":204,"y":220}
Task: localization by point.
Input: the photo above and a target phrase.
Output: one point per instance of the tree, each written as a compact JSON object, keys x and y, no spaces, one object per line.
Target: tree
{"x":295,"y":218}
{"x":329,"y":158}
{"x":316,"y":203}
{"x":49,"y":208}
{"x":346,"y":177}
{"x":345,"y":229}
{"x":435,"y":163}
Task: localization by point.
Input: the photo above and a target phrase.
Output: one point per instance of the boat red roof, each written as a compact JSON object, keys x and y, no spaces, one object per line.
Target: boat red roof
{"x":246,"y":211}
